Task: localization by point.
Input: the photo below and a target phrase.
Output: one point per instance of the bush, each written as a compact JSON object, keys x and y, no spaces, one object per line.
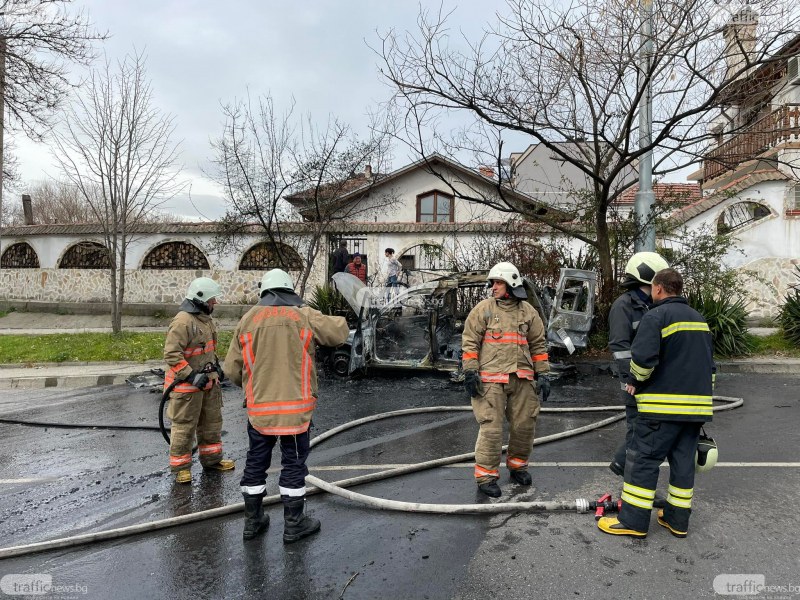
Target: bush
{"x":328,"y":301}
{"x":726,"y":317}
{"x":789,"y":318}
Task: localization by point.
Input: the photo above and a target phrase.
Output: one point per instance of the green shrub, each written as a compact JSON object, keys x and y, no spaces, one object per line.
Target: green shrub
{"x":789,"y":318}
{"x":328,"y":301}
{"x":726,"y":317}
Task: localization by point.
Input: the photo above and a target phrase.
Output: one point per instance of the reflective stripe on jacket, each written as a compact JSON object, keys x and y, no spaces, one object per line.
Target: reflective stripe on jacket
{"x":191,"y":344}
{"x":672,"y":357}
{"x":504,"y":337}
{"x":272,"y":357}
{"x":623,"y":320}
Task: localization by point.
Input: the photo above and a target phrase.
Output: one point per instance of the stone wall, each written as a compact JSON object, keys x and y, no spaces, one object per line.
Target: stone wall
{"x":148,"y":286}
{"x":775,"y":276}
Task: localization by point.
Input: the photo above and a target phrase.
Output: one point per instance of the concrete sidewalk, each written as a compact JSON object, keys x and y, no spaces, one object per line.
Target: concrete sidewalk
{"x":29,"y":323}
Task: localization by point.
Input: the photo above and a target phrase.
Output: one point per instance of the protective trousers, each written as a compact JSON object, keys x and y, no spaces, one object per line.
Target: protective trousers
{"x":516,"y":400}
{"x":652,"y":443}
{"x":631,"y":413}
{"x":200,"y":414}
{"x":294,"y":452}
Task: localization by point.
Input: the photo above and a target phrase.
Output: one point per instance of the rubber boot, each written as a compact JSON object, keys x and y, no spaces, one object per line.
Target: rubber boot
{"x":296,"y":524}
{"x":520,"y":476}
{"x":255,"y":521}
{"x":490,"y":488}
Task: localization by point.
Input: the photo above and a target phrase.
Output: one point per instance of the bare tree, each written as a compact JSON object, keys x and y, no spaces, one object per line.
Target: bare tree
{"x":569,"y":76}
{"x":117,"y":149}
{"x":53,"y":202}
{"x":39,"y":40}
{"x":292,"y":182}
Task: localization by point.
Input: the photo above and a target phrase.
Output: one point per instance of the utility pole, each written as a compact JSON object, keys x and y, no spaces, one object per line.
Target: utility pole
{"x":645,"y":198}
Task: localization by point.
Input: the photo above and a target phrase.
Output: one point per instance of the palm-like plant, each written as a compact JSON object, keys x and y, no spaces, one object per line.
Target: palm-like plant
{"x":789,"y":317}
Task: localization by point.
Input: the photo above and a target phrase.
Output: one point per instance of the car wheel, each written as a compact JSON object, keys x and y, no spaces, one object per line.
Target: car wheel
{"x":341,"y":363}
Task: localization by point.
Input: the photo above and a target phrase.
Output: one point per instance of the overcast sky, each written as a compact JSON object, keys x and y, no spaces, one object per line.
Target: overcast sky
{"x":201,"y":53}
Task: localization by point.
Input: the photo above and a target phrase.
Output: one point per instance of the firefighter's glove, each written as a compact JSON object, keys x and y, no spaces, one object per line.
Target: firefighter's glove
{"x":198,"y":379}
{"x":473,"y":384}
{"x":543,"y":382}
{"x":220,"y":372}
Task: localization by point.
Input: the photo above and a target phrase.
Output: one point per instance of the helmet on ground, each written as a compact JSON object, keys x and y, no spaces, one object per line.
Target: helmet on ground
{"x":707,"y":454}
{"x":507,"y":272}
{"x":276,"y":279}
{"x":643,"y":266}
{"x":201,"y":291}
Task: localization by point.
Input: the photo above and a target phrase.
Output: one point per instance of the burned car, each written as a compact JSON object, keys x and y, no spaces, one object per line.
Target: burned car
{"x":421,"y":327}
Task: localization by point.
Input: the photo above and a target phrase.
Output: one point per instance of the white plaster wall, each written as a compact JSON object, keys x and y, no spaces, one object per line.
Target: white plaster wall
{"x":397,"y":202}
{"x":775,"y":236}
{"x":771,"y":246}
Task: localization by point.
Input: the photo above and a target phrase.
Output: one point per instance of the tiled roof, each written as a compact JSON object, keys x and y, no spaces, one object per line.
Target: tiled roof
{"x":295,"y":227}
{"x":723,"y":193}
{"x":366,"y":185}
{"x":682,"y":193}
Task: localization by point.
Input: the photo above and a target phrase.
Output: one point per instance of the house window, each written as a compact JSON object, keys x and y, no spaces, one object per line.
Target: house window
{"x":175,"y":255}
{"x":435,"y":207}
{"x":86,"y":255}
{"x":266,"y":255}
{"x":740,"y":214}
{"x":20,"y":256}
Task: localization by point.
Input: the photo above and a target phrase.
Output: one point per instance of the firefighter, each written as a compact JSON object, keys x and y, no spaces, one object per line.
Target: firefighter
{"x":272,"y":357}
{"x":195,"y":406}
{"x":623,"y":320}
{"x":504,"y":351}
{"x":672,"y":380}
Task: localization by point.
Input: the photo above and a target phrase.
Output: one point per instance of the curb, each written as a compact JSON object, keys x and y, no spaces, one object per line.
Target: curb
{"x":776,"y":366}
{"x":65,"y":381}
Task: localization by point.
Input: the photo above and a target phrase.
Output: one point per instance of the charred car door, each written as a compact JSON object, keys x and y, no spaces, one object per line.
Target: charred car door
{"x":572,"y":311}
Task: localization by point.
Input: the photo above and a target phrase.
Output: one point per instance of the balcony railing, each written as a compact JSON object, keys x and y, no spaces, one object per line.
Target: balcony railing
{"x":779,"y":127}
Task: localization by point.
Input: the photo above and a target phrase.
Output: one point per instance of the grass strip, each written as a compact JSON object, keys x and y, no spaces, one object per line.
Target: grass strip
{"x":90,"y":347}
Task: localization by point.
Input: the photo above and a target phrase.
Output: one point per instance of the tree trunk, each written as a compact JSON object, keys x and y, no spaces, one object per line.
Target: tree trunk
{"x":121,"y":288}
{"x":607,"y":284}
{"x":115,"y":321}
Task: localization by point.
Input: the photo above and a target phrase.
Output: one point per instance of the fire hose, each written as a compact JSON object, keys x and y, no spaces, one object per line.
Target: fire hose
{"x":338,"y":488}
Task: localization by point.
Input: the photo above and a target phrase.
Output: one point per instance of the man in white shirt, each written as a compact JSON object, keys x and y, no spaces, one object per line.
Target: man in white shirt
{"x":393,"y":269}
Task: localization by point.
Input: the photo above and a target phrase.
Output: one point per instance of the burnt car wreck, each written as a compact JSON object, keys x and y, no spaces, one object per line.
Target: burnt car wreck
{"x":421,"y":327}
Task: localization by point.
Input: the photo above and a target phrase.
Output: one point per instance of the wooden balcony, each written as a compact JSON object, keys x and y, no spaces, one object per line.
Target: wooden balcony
{"x":781,"y":126}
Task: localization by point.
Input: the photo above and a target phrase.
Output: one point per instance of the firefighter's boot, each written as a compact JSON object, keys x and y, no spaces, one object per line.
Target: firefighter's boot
{"x":614,"y":527}
{"x":223,"y":465}
{"x":183,"y":476}
{"x":490,"y":488}
{"x":296,"y":524}
{"x":520,"y":476}
{"x":255,"y":521}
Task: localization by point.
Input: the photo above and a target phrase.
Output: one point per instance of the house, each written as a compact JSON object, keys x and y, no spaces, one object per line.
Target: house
{"x":750,"y":178}
{"x":426,"y":211}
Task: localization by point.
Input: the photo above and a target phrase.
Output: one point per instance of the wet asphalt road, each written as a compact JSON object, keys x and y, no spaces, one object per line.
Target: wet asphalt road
{"x":79,"y":481}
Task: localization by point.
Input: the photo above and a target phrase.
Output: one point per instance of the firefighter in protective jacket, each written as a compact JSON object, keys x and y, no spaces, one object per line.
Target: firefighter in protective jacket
{"x":673,"y":373}
{"x":504,"y":351}
{"x":623,"y":321}
{"x":272,"y":357}
{"x":195,"y":406}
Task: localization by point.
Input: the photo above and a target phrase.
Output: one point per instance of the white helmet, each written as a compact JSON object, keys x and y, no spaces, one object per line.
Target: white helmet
{"x":706,"y":455}
{"x":507,"y":272}
{"x":643,"y":266}
{"x":276,"y":279}
{"x":203,"y":289}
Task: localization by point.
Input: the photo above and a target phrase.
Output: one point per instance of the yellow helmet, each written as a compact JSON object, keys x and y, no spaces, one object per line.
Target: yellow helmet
{"x":643,"y":266}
